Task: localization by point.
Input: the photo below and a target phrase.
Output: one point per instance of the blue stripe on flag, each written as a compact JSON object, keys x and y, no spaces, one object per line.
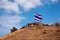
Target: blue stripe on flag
{"x":38,"y":17}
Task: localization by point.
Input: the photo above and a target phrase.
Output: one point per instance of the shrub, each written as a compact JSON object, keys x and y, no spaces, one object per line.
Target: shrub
{"x":57,"y":24}
{"x":13,"y":29}
{"x":45,"y":24}
{"x":22,"y":27}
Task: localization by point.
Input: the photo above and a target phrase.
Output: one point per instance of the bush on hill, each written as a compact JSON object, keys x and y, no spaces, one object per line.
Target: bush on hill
{"x":13,"y":29}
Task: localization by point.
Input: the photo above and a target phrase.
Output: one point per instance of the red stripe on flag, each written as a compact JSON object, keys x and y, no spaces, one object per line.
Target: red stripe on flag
{"x":38,"y":15}
{"x":37,"y":19}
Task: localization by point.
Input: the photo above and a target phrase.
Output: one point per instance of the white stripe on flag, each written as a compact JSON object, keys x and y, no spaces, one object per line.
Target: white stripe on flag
{"x":37,"y":19}
{"x":38,"y":15}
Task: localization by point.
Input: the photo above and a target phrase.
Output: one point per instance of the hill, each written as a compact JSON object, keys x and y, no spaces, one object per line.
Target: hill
{"x":34,"y":32}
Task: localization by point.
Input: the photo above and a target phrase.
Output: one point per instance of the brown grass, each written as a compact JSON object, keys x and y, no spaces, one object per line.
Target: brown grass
{"x":44,"y":33}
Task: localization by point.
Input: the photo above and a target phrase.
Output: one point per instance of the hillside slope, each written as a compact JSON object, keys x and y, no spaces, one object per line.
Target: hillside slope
{"x":33,"y":33}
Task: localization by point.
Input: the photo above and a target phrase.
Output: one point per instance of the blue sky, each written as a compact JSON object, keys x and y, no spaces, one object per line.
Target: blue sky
{"x":17,"y":13}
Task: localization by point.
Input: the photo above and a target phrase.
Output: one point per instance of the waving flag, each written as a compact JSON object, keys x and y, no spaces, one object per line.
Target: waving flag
{"x":38,"y":17}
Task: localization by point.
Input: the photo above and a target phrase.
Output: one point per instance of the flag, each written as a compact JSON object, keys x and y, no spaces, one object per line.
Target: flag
{"x":38,"y":17}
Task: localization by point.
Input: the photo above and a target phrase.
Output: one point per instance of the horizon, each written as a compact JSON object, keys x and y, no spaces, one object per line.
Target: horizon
{"x":17,"y":13}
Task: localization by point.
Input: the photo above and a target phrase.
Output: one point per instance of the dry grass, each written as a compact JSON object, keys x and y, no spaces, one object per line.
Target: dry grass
{"x":44,"y":33}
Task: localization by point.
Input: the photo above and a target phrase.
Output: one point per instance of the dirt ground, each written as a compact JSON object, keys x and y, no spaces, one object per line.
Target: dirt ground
{"x":33,"y":33}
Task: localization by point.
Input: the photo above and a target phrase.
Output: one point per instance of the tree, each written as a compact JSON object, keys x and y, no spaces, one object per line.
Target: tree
{"x":57,"y":24}
{"x":13,"y":29}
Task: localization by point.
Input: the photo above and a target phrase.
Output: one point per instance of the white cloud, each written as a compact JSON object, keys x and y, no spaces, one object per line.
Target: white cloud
{"x":7,"y":21}
{"x":54,"y":0}
{"x":4,"y":31}
{"x":10,"y":21}
{"x":11,"y":6}
{"x":28,"y":4}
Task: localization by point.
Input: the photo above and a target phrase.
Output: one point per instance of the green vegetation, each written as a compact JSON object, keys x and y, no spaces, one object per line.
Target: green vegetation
{"x":13,"y":29}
